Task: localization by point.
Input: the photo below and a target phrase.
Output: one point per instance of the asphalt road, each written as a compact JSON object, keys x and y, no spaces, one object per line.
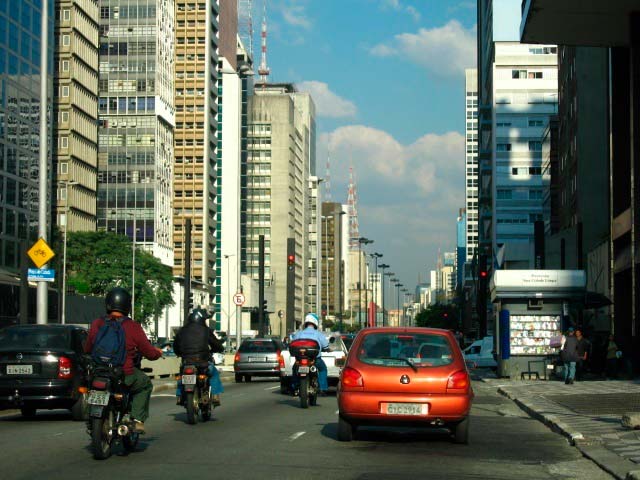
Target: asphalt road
{"x":260,"y":434}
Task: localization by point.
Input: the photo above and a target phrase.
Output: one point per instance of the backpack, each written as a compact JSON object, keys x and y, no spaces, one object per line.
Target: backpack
{"x":109,"y":347}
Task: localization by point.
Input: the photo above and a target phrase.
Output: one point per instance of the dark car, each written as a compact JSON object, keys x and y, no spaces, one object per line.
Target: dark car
{"x":347,"y":339}
{"x":258,"y":357}
{"x":41,"y":368}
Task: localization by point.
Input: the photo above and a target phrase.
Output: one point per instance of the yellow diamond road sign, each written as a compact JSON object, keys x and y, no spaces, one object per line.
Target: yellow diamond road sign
{"x":40,"y":253}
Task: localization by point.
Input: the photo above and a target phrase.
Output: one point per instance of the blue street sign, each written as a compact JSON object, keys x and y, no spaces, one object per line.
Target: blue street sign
{"x":41,"y":275}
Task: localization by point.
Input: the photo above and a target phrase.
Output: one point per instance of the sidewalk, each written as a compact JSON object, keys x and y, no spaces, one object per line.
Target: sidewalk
{"x":588,"y":414}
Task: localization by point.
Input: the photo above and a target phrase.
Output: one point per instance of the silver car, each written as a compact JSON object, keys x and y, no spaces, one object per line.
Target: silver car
{"x":258,"y":357}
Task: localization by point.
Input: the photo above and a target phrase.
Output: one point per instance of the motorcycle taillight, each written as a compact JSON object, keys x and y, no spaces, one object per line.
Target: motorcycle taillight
{"x":99,"y":384}
{"x":189,"y":371}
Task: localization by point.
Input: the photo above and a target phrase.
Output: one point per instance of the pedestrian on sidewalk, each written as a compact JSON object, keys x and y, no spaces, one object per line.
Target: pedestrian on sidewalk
{"x":569,"y":355}
{"x":612,"y":358}
{"x":583,"y":348}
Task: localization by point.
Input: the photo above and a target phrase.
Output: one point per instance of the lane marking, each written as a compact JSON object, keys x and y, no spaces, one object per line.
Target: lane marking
{"x":162,"y":395}
{"x":272,"y":388}
{"x":296,"y":436}
{"x":337,"y":412}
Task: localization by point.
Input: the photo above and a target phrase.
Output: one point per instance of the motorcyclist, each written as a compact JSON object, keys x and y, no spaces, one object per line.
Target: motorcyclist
{"x":195,"y":342}
{"x":310,"y":331}
{"x":118,"y":306}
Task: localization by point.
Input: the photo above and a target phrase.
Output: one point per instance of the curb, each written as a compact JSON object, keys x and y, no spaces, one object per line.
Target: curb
{"x":610,"y":462}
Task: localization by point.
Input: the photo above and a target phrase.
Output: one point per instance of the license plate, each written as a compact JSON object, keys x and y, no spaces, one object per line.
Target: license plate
{"x":303,"y":369}
{"x":405,"y":408}
{"x":188,"y":379}
{"x":98,"y":398}
{"x":19,"y":369}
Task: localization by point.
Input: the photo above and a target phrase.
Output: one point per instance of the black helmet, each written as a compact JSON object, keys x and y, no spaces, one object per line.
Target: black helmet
{"x":198,"y":315}
{"x":118,"y":300}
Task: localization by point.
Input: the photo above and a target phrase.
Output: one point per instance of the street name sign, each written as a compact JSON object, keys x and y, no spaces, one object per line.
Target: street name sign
{"x":41,"y":275}
{"x":40,"y":253}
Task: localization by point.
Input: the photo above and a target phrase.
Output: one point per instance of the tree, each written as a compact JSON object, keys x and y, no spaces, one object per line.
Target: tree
{"x":99,"y":261}
{"x":438,"y":316}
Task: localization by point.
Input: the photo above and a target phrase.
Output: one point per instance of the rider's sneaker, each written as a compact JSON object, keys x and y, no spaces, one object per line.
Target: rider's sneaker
{"x":215,"y":399}
{"x":179,"y":401}
{"x":138,"y":426}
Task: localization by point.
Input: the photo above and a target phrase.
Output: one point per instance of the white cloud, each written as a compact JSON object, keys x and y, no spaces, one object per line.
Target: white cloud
{"x":294,"y":13}
{"x":328,"y":103}
{"x":444,"y":51}
{"x":408,"y":194}
{"x":399,"y":7}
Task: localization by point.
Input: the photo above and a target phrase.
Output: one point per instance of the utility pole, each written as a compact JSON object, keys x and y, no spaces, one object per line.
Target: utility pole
{"x":383,"y":267}
{"x":261,"y":312}
{"x":187,"y":270}
{"x":291,"y":287}
{"x":43,"y":174}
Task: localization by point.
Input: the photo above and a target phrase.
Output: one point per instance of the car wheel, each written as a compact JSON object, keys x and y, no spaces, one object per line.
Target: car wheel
{"x":28,"y":412}
{"x":80,"y":409}
{"x":346,"y":431}
{"x":461,"y":432}
{"x":238,"y":378}
{"x":247,"y":378}
{"x":284,"y":388}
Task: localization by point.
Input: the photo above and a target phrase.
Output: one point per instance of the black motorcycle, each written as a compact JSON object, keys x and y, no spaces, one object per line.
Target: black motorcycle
{"x":109,"y":403}
{"x":305,"y":371}
{"x":196,"y":396}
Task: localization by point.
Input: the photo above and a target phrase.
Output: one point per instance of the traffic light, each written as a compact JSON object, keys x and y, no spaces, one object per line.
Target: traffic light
{"x":254,"y":319}
{"x":264,"y":306}
{"x":291,"y":261}
{"x":190,"y":300}
{"x":483,"y":274}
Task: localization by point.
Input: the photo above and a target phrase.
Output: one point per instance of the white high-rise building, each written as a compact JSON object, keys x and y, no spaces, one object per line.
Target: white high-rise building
{"x":471,"y":163}
{"x":525,"y":94}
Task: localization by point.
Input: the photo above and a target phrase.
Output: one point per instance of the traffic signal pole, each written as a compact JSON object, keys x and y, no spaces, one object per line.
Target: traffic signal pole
{"x":187,"y":270}
{"x":261,"y":312}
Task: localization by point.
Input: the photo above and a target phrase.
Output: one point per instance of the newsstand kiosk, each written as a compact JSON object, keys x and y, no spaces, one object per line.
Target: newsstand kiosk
{"x":529,"y":312}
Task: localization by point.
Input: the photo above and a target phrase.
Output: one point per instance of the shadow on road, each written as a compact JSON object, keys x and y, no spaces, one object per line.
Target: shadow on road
{"x":45,"y":416}
{"x":390,"y":435}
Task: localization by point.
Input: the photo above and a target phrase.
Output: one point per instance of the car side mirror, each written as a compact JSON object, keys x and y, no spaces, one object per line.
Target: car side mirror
{"x":471,"y":364}
{"x":332,"y":340}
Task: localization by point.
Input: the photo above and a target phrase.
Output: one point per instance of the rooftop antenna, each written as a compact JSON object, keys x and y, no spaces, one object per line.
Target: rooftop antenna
{"x":264,"y":70}
{"x":352,"y":201}
{"x":245,"y":24}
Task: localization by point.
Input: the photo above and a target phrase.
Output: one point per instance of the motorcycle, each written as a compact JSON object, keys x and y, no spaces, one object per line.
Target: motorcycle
{"x":305,"y":371}
{"x":196,"y":396}
{"x":109,"y":402}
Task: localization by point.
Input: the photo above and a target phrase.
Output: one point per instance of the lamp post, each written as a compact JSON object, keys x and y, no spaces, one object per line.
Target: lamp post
{"x":133,"y":262}
{"x":398,"y":285}
{"x":229,"y":295}
{"x":383,"y":267}
{"x":374,"y":293}
{"x":66,"y":184}
{"x":366,"y":241}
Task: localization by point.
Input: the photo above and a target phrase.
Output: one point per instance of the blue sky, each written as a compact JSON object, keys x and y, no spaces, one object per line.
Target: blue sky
{"x":387,"y":77}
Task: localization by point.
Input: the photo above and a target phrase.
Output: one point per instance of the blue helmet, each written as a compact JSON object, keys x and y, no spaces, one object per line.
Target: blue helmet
{"x":312,"y":318}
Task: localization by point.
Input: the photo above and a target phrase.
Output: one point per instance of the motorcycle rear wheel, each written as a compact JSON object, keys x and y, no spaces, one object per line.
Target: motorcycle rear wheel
{"x":206,"y":412}
{"x":313,"y":397}
{"x":304,"y":392}
{"x":192,"y":408}
{"x":100,"y":438}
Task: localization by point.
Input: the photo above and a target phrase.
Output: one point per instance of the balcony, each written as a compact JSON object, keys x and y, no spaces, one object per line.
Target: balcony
{"x":577,"y":22}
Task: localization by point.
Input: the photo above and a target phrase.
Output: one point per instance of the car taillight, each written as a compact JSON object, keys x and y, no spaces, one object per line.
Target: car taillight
{"x":188,"y":371}
{"x":458,"y":381}
{"x":280,"y":360}
{"x":99,"y":384}
{"x":236,"y":358}
{"x":351,"y":379}
{"x":64,"y":368}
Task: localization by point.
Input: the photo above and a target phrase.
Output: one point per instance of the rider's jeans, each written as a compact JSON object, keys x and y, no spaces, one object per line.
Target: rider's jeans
{"x":323,"y":380}
{"x":215,"y":383}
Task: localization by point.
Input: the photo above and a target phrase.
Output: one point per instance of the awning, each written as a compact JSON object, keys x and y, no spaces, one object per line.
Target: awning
{"x":595,"y":300}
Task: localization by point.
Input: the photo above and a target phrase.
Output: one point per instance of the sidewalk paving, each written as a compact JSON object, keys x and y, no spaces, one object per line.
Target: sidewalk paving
{"x":588,"y":414}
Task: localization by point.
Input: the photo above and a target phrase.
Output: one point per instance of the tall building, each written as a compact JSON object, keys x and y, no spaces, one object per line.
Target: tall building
{"x":471,"y":162}
{"x":20,"y":46}
{"x":198,"y":29}
{"x":461,"y":246}
{"x":617,"y":32}
{"x":331,"y":233}
{"x":136,"y":123}
{"x":315,"y":248}
{"x":280,"y":143}
{"x":75,"y":113}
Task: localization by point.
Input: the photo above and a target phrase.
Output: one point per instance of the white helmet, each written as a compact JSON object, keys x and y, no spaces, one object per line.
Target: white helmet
{"x":312,"y":318}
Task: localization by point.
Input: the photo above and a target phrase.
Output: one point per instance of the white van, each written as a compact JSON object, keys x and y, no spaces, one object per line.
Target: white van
{"x":480,"y":352}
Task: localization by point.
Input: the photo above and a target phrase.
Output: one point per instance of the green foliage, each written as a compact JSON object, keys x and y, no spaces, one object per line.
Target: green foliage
{"x":99,"y":261}
{"x":438,"y":316}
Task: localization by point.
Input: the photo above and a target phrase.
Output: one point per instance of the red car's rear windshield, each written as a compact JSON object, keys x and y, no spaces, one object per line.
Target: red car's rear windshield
{"x":402,"y":349}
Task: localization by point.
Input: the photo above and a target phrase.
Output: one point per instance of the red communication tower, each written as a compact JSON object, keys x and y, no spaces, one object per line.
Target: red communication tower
{"x":264,"y":70}
{"x":352,"y":201}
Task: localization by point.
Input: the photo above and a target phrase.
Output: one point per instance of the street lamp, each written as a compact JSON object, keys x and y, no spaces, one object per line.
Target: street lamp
{"x":366,"y":241}
{"x":374,"y":294}
{"x":66,"y":184}
{"x":398,"y":285}
{"x":383,"y":267}
{"x":229,"y":298}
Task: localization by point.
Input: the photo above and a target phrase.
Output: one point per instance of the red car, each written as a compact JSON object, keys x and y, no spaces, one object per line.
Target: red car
{"x":405,"y":377}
